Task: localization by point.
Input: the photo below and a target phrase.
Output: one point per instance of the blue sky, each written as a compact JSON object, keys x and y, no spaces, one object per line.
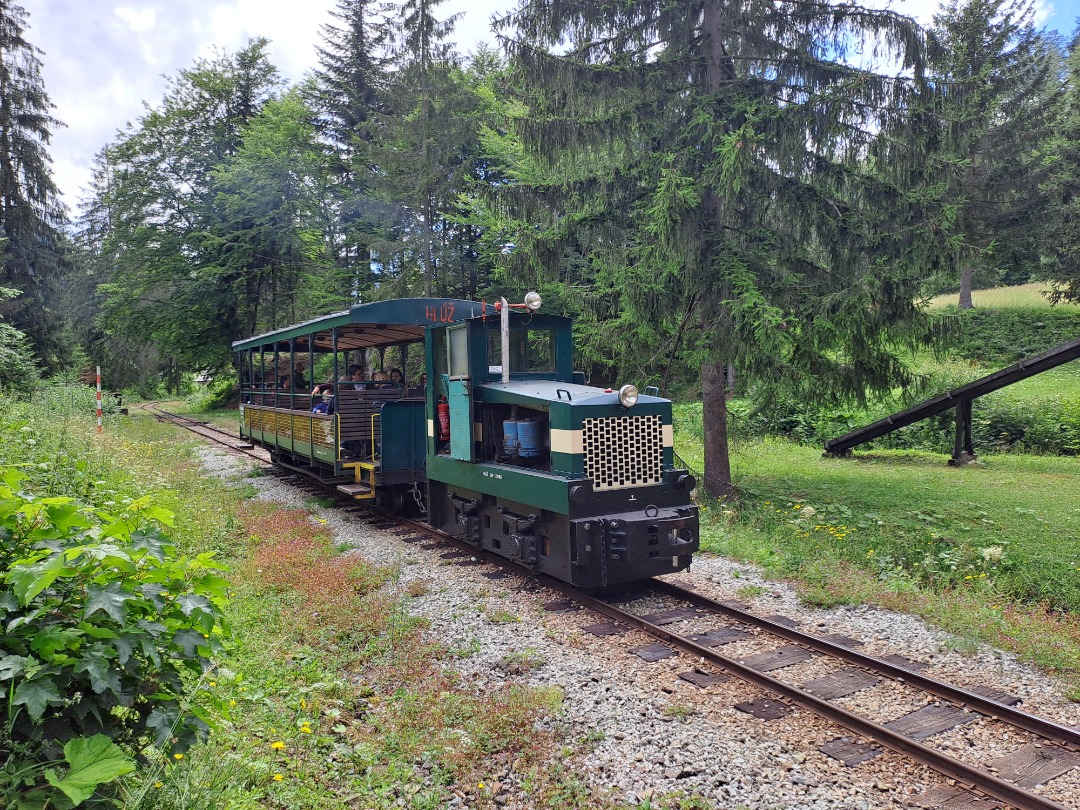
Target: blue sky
{"x":104,"y":59}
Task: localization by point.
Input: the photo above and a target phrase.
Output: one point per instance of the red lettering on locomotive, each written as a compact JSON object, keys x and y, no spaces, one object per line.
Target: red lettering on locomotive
{"x":447,"y":314}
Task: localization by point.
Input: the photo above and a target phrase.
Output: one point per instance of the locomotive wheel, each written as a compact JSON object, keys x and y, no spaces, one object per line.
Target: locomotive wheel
{"x":391,"y":499}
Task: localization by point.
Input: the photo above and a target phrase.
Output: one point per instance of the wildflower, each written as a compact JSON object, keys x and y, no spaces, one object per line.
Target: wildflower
{"x":232,"y":703}
{"x":277,"y":746}
{"x":992,"y":554}
{"x":303,"y":703}
{"x":158,"y":784}
{"x":278,"y":777}
{"x":305,"y":729}
{"x":178,"y":757}
{"x":481,"y":785}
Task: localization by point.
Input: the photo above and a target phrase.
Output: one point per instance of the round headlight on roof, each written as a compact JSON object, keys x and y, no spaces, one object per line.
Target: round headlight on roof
{"x":532,"y":300}
{"x":628,"y":396}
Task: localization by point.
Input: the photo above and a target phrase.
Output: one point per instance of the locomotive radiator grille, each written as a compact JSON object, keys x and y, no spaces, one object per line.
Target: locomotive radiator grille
{"x":623,"y":451}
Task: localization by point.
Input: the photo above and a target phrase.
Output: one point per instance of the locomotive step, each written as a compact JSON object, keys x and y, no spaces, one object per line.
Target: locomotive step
{"x":354,"y":489}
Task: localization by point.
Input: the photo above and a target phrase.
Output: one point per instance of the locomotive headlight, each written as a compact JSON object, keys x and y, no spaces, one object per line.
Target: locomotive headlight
{"x":532,"y":300}
{"x":628,"y":396}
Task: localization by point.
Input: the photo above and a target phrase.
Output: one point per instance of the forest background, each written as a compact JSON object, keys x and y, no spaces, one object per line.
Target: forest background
{"x":747,"y":198}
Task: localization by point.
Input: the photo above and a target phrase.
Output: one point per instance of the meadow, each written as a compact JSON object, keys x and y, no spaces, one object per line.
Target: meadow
{"x":1021,"y":296}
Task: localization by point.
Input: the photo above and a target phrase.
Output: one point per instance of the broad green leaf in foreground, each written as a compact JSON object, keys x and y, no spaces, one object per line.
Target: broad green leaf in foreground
{"x":92,"y":762}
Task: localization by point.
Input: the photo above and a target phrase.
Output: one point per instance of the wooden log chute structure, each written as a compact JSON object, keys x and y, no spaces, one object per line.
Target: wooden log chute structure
{"x":959,"y":399}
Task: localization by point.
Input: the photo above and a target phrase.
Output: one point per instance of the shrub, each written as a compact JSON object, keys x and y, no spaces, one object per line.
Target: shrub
{"x":101,"y":622}
{"x":18,"y":366}
{"x":1001,"y":337}
{"x":213,"y":395}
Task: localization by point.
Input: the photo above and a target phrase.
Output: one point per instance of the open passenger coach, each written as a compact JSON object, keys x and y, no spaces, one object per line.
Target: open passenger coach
{"x":490,"y":434}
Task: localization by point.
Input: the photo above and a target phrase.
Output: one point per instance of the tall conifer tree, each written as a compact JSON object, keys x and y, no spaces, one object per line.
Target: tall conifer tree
{"x":347,"y":99}
{"x":757,"y":176}
{"x":1061,"y":230}
{"x":31,"y":216}
{"x":425,"y":135}
{"x":999,"y":82}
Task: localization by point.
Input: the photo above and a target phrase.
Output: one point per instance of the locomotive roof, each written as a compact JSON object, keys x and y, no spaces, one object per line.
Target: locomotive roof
{"x":380,"y":323}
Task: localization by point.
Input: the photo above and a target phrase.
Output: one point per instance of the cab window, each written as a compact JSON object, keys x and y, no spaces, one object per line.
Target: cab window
{"x":531,"y":350}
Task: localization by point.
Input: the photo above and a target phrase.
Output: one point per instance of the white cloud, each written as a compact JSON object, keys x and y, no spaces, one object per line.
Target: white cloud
{"x":137,"y":19}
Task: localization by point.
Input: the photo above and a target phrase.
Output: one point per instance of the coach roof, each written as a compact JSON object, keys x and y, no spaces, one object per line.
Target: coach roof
{"x":381,"y":323}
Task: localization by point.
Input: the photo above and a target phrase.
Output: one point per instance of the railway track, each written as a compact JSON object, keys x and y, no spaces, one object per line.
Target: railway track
{"x":707,"y":625}
{"x":201,"y":428}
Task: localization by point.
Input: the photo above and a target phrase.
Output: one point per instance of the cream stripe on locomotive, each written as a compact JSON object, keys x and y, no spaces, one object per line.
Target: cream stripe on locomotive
{"x":623,"y":451}
{"x":566,"y":441}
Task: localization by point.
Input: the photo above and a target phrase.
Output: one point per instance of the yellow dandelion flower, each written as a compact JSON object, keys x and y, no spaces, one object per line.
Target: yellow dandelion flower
{"x":232,"y":703}
{"x":158,"y":784}
{"x":303,"y":703}
{"x":481,"y":785}
{"x":305,"y":729}
{"x":277,"y":746}
{"x":178,"y":757}
{"x":213,"y":683}
{"x":278,"y":777}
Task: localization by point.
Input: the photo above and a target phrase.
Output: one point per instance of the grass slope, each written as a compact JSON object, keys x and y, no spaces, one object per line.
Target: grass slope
{"x":1022,"y":296}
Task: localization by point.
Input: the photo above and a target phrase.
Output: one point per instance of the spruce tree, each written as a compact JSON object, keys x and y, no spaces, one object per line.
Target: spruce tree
{"x":1061,"y":230}
{"x":425,"y":136}
{"x":347,"y":98}
{"x":998,"y":80}
{"x":743,"y":181}
{"x":31,"y":216}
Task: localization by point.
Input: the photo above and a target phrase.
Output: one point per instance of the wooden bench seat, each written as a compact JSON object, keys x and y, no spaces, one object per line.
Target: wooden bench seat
{"x":358,"y":415}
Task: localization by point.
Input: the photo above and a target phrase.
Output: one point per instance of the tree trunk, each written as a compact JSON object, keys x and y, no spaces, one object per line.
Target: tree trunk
{"x":714,"y":419}
{"x":965,"y":287}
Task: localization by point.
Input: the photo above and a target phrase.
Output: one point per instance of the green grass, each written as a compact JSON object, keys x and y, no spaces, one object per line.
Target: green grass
{"x":969,"y":547}
{"x":1023,"y":296}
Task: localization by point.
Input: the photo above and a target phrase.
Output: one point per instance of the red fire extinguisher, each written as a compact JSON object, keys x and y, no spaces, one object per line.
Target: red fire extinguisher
{"x":443,"y":409}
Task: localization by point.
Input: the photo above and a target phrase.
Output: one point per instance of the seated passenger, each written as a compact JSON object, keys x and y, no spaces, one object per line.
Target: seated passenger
{"x":397,"y":378}
{"x":326,"y":397}
{"x":354,"y":378}
{"x":381,"y":380}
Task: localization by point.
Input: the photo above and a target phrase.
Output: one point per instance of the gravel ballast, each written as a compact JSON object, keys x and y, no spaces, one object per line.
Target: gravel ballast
{"x":640,"y":730}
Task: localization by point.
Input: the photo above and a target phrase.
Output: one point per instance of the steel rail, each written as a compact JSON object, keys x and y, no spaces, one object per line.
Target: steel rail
{"x":952,"y":768}
{"x":1068,"y":737}
{"x":199,"y":429}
